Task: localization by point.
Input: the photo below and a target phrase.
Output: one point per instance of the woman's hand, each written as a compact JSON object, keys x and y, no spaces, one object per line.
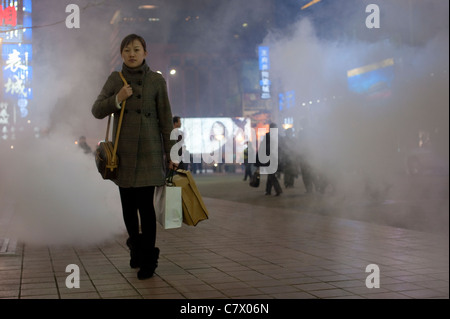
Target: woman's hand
{"x":125,"y":92}
{"x":172,"y":165}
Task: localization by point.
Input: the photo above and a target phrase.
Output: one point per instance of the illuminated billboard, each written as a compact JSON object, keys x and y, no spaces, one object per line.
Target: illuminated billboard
{"x":16,"y":69}
{"x":221,"y":137}
{"x":374,"y":79}
{"x":264,"y":67}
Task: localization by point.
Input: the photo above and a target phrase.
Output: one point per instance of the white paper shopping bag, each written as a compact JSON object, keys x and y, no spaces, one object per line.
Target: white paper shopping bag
{"x":168,"y":206}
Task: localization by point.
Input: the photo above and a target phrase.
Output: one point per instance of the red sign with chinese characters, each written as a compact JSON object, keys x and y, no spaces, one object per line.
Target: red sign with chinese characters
{"x":8,"y":16}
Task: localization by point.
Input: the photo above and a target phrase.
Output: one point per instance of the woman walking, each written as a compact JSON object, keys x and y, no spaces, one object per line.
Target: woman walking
{"x":143,"y":148}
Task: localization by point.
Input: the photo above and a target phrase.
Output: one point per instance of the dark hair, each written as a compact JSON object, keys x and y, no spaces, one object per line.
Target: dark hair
{"x":222,"y":126}
{"x":176,"y":119}
{"x":129,"y":39}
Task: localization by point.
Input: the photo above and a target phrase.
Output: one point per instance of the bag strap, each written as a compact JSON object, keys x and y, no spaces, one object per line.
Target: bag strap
{"x":119,"y":126}
{"x":169,"y":177}
{"x":107,"y":129}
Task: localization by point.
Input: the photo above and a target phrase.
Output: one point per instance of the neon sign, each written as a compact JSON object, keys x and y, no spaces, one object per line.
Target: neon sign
{"x":16,"y":71}
{"x":264,"y":66}
{"x":8,"y":16}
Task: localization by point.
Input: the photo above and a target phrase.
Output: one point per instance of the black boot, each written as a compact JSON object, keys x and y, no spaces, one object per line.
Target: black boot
{"x":149,"y":264}
{"x":135,"y":244}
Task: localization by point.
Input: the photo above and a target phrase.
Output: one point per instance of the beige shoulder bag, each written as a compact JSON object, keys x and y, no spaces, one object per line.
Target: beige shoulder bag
{"x":106,"y":157}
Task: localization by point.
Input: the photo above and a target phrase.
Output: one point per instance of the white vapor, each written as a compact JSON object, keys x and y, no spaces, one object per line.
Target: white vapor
{"x":48,"y":186}
{"x":57,"y":196}
{"x":351,"y":140}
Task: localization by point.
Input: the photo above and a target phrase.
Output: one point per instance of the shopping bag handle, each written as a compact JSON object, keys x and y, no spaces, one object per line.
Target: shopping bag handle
{"x":169,"y":177}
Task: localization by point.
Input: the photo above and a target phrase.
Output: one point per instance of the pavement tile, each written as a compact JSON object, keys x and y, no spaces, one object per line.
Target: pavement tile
{"x":314,"y":286}
{"x":400,"y":286}
{"x":277,"y":289}
{"x":147,"y":292}
{"x":425,"y":294}
{"x":206,"y":294}
{"x":293,"y":295}
{"x":119,"y":293}
{"x":39,"y":279}
{"x":165,"y":296}
{"x":39,"y":291}
{"x":81,"y":295}
{"x":53,"y":296}
{"x":231,"y":285}
{"x":106,"y":287}
{"x":85,"y":286}
{"x":118,"y":279}
{"x":330,"y":293}
{"x":297,"y":255}
{"x":387,"y":295}
{"x":432,"y":284}
{"x":240,"y":292}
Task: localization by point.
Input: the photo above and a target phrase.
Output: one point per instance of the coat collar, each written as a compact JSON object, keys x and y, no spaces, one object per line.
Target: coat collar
{"x":135,"y":71}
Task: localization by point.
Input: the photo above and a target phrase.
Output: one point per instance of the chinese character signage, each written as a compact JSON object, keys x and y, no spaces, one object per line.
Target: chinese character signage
{"x":8,"y":16}
{"x":281,"y":102}
{"x":286,"y":100}
{"x":16,"y":73}
{"x":264,"y":66}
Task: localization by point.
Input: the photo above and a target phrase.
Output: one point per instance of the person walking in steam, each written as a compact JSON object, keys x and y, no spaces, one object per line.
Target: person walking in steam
{"x":272,"y":180}
{"x":141,"y":150}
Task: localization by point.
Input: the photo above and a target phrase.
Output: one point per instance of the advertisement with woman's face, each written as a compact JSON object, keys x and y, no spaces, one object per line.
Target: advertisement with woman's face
{"x":223,"y":138}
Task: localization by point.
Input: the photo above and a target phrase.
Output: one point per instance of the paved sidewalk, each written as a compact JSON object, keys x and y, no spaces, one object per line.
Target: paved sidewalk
{"x":243,"y":252}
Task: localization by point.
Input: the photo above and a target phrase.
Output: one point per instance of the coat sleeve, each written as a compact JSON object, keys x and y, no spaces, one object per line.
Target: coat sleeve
{"x":164,"y":116}
{"x":106,"y":100}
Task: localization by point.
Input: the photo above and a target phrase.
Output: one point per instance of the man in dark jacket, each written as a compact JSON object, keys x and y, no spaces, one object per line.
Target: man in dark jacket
{"x":271,"y":165}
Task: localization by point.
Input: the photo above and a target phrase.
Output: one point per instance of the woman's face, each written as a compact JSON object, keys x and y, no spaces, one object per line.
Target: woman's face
{"x":133,"y":54}
{"x":218,"y":131}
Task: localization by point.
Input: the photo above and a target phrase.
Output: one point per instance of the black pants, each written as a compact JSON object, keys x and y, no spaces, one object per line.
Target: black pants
{"x":309,"y":177}
{"x":138,"y":210}
{"x":248,"y":171}
{"x":272,"y":180}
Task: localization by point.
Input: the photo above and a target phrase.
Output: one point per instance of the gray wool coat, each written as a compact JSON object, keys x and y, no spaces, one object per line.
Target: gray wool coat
{"x":144,"y":139}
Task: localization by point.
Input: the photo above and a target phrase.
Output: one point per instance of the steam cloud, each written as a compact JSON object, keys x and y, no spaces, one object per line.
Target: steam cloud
{"x":52,"y":189}
{"x":358,"y":144}
{"x":57,"y":196}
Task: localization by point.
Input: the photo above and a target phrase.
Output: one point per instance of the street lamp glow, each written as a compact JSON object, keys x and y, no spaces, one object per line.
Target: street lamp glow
{"x":313,"y":2}
{"x":147,"y":7}
{"x":173,"y":72}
